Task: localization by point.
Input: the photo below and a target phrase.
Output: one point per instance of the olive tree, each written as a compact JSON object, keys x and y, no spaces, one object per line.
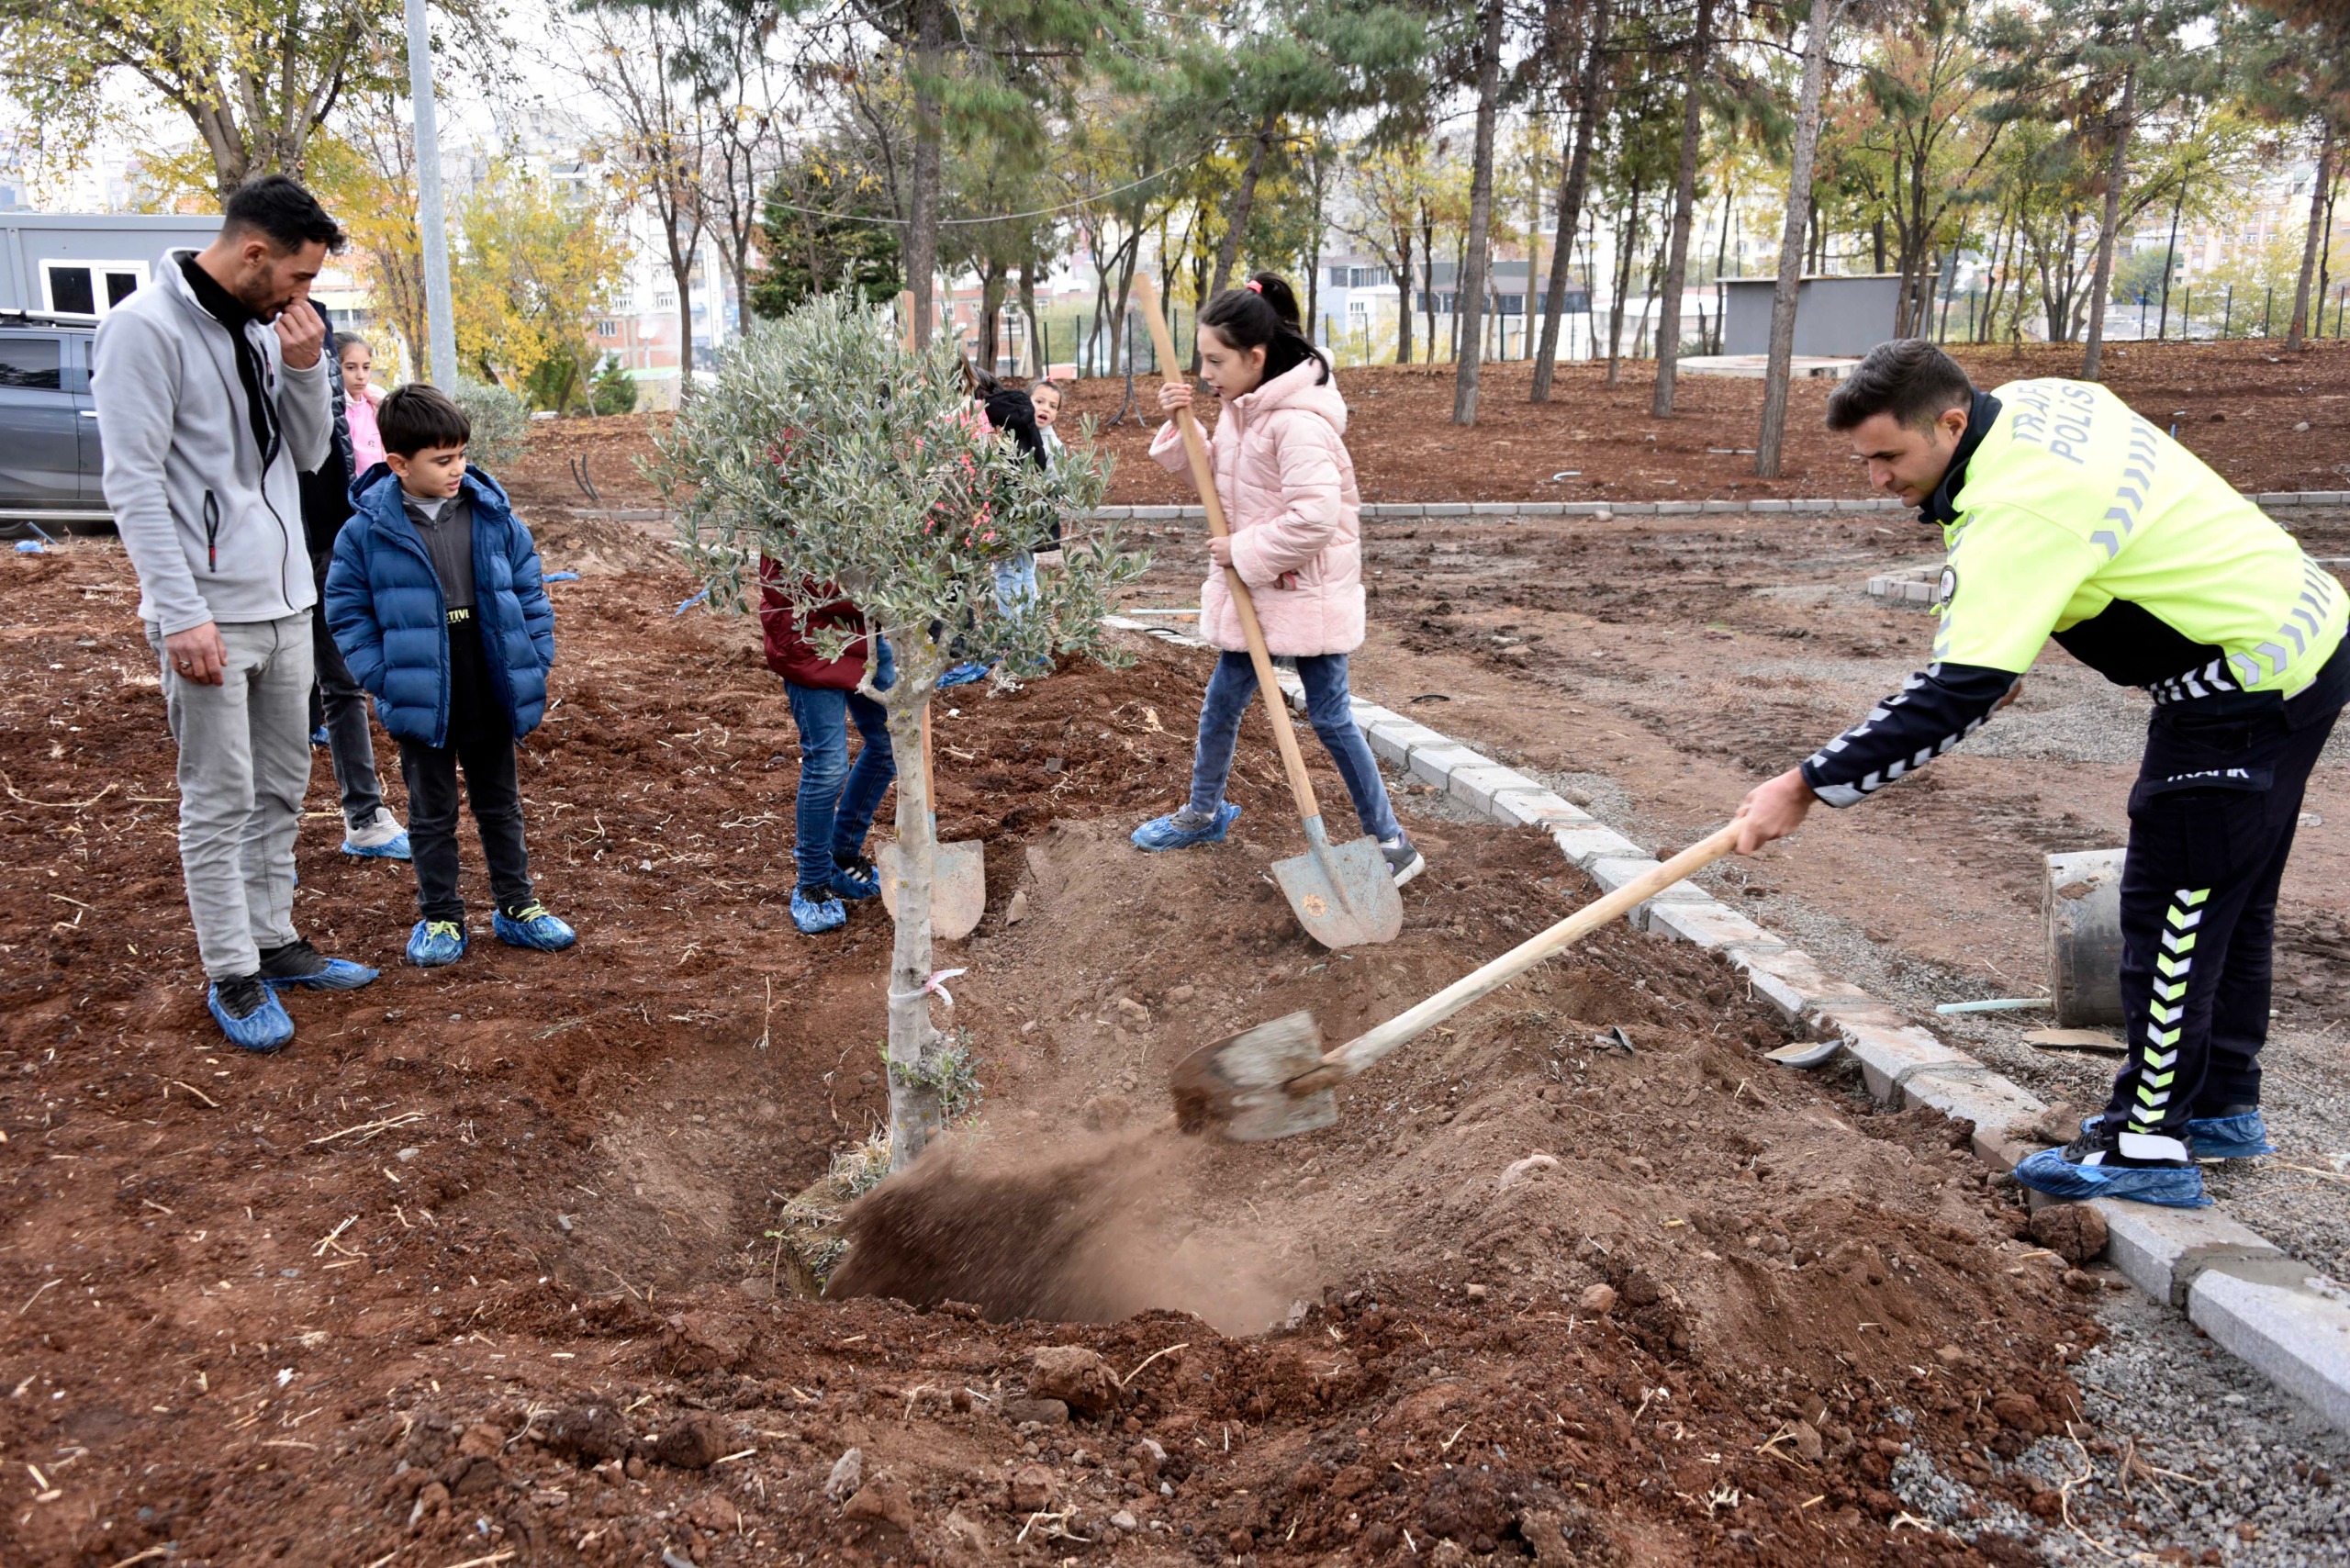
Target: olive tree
{"x":858,"y":467}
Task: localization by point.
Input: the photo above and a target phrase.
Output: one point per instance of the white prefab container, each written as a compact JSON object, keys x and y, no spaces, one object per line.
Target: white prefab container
{"x":85,"y":264}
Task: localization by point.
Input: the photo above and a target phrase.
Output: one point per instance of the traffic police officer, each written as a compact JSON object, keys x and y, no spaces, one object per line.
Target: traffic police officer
{"x":2066,"y":514}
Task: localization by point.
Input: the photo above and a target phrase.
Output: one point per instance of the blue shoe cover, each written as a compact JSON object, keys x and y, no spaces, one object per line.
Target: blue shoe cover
{"x":856,"y":881}
{"x":2229,"y":1138}
{"x":963,"y":675}
{"x":393,"y":848}
{"x":341,"y":974}
{"x":2171,"y":1186}
{"x":532,"y":927}
{"x":433,"y":943}
{"x":816,"y":916}
{"x":261,"y":1031}
{"x":1165,"y":833}
{"x":319,"y":736}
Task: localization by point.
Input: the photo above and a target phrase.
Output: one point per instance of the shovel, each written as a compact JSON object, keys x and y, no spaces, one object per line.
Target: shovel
{"x":958,"y":882}
{"x":1344,"y":894}
{"x":1274,"y":1080}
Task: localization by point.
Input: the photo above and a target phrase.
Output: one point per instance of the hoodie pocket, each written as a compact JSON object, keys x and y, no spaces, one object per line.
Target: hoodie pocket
{"x":212,"y":532}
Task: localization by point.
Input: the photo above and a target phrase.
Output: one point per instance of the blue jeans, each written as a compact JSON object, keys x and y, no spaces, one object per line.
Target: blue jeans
{"x":836,"y":798}
{"x":1325,"y":675}
{"x":1015,"y":583}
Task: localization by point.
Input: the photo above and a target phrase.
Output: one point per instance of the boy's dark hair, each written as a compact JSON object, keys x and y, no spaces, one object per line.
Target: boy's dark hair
{"x":277,"y":206}
{"x":418,"y":417}
{"x":1264,"y":314}
{"x":1047,"y":383}
{"x":1909,"y":378}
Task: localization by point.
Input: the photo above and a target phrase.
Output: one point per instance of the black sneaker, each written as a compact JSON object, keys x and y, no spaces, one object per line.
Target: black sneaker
{"x":242,"y":997}
{"x":1404,"y":861}
{"x":249,"y":1013}
{"x":2105,"y":1162}
{"x":298,"y":963}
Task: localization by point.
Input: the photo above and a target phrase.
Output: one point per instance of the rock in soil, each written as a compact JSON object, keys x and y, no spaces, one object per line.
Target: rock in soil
{"x":695,"y":1441}
{"x":2075,"y":1232}
{"x":1074,"y":1375}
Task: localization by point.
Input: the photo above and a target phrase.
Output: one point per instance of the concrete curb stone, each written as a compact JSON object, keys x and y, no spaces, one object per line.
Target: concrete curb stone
{"x":2296,"y":1334}
{"x":2163,"y":1250}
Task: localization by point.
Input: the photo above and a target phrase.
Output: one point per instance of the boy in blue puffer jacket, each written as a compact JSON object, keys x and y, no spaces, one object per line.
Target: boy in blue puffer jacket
{"x":436,"y":601}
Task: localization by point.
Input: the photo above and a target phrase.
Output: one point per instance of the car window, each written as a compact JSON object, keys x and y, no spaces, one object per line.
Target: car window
{"x":36,"y":364}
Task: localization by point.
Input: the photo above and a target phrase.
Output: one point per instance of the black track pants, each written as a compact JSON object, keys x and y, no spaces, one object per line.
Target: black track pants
{"x":2210,"y":824}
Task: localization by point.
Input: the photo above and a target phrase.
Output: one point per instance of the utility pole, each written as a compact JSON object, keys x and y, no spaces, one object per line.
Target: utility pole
{"x":431,"y":222}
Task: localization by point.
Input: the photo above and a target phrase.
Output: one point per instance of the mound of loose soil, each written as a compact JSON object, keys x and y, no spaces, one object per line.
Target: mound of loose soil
{"x":482,"y":1267}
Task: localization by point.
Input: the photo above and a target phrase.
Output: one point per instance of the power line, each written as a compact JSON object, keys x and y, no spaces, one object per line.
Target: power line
{"x":997,"y":218}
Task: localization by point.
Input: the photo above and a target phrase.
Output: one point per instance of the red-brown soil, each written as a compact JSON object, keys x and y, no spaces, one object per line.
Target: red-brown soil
{"x":483,"y":1267}
{"x":2265,"y":420}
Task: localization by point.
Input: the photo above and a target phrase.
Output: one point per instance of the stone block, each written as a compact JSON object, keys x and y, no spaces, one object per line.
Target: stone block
{"x":1445,"y":509}
{"x":1155,"y":514}
{"x":1712,"y":924}
{"x":1676,"y":509}
{"x":2163,"y":1250}
{"x":1492,"y":508}
{"x":2278,"y":498}
{"x":1587,"y":508}
{"x":1476,"y":786}
{"x":1633,"y":509}
{"x":1584,"y":845}
{"x":1889,"y":1048}
{"x":1814,"y":504}
{"x":1543,"y":508}
{"x":1114,"y":512}
{"x":1991,"y":1101}
{"x":1737,"y":507}
{"x":1366,"y":715}
{"x":1768,"y":505}
{"x":1537,"y":807}
{"x":1613,"y":871}
{"x":2295,"y":1331}
{"x":1393,"y":740}
{"x":1393,"y":509}
{"x":1437,"y":764}
{"x":1918,"y":593}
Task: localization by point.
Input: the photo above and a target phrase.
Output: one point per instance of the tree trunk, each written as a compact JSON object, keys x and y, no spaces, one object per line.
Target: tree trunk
{"x":1684,"y":198}
{"x":1037,"y":365}
{"x":1570,"y":195}
{"x":917,"y":1113}
{"x":1624,"y":249}
{"x":681,"y":266}
{"x":1771,"y":439}
{"x":2101,"y":279}
{"x":1470,"y":300}
{"x":1227,"y":255}
{"x":2296,"y":334}
{"x":922,"y":220}
{"x":991,"y":276}
{"x":1404,"y":296}
{"x":1427,"y":276}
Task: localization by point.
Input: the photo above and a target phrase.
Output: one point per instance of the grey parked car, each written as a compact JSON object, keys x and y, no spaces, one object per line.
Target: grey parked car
{"x":49,"y":429}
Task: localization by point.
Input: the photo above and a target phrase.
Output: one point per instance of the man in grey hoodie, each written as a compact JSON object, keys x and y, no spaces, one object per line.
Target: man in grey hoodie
{"x":211,"y":397}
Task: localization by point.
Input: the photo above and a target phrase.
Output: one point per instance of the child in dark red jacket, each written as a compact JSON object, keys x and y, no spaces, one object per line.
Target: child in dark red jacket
{"x":837,"y":798}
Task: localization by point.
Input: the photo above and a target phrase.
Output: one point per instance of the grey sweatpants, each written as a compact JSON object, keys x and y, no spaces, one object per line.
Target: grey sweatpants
{"x":244,"y":767}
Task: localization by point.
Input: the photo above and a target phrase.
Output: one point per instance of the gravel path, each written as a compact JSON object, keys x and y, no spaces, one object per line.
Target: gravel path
{"x":2220,"y":1464}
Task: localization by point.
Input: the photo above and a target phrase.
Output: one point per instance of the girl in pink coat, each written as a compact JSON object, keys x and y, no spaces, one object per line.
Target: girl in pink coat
{"x":1288,"y":489}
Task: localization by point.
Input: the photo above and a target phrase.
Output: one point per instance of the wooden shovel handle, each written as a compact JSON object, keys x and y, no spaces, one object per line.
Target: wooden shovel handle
{"x":1145,"y":300}
{"x":1368,"y":1047}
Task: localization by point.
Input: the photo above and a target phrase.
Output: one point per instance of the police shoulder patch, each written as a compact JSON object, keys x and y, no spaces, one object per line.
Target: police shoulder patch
{"x":1947,"y":588}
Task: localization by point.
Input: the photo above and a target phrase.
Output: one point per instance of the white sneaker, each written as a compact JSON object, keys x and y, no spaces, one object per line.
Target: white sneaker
{"x":383,"y":839}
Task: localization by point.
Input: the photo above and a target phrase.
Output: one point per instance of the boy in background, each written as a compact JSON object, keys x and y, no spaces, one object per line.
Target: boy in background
{"x":436,"y":601}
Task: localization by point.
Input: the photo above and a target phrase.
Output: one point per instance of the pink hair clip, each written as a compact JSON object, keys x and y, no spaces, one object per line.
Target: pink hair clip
{"x":1253,"y":286}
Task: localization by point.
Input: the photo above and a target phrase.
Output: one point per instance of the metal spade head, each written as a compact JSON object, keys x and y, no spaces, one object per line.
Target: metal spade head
{"x":1237,"y":1086}
{"x":958,"y":886}
{"x":1344,"y":893}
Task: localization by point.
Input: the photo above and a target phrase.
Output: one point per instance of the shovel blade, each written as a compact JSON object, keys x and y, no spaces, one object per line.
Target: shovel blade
{"x":1237,"y":1086}
{"x":958,"y":886}
{"x":1344,"y":894}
